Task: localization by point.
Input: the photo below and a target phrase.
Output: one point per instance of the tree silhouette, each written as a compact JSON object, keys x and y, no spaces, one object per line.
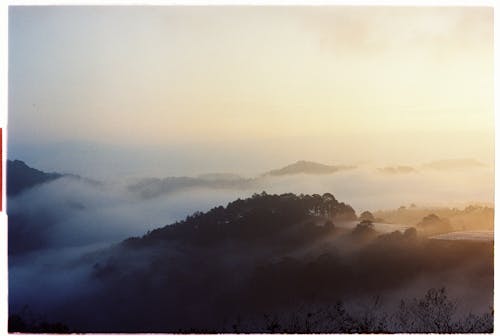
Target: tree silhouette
{"x":367,"y":215}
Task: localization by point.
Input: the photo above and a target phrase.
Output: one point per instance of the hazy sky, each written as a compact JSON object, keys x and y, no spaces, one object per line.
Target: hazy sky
{"x":273,"y":84}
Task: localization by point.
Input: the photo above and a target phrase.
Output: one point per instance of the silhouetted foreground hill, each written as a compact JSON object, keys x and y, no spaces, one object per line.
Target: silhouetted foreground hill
{"x":25,"y":325}
{"x":21,"y":177}
{"x":278,"y":263}
{"x":307,"y":167}
{"x":261,"y":218}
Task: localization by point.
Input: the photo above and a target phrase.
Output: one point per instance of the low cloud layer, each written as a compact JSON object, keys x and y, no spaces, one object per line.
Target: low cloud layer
{"x":54,"y":224}
{"x":74,"y":212}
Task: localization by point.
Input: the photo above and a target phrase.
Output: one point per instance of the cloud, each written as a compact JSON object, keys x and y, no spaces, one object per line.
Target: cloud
{"x":454,"y":164}
{"x":73,"y":212}
{"x":76,"y":212}
{"x":431,"y":30}
{"x":397,"y":170}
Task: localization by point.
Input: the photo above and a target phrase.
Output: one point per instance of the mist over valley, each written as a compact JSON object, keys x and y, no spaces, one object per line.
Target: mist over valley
{"x":73,"y":239}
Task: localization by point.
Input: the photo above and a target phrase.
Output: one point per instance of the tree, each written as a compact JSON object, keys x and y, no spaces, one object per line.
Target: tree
{"x":434,"y":224}
{"x":367,"y":215}
{"x":431,"y":314}
{"x":410,"y":233}
{"x":364,"y":230}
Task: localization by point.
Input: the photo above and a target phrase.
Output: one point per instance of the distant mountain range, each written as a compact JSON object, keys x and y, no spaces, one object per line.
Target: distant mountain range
{"x":307,"y":167}
{"x":21,"y":177}
{"x":440,"y":165}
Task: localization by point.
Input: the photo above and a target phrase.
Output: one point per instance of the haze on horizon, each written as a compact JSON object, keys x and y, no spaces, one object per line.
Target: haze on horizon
{"x":189,"y":90}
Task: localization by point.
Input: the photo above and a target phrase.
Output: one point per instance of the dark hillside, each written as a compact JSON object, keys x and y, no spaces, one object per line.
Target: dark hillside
{"x":21,"y":177}
{"x":259,"y":219}
{"x":268,"y":255}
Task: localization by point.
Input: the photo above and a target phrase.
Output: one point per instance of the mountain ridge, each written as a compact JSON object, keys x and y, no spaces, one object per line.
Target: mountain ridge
{"x":21,"y":177}
{"x":307,"y":167}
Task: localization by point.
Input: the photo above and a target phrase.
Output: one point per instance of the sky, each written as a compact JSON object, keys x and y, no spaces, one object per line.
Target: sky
{"x":187,"y":90}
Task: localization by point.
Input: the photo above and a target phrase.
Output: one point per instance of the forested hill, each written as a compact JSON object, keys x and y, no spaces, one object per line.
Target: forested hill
{"x":21,"y":177}
{"x":268,"y":255}
{"x":260,"y":218}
